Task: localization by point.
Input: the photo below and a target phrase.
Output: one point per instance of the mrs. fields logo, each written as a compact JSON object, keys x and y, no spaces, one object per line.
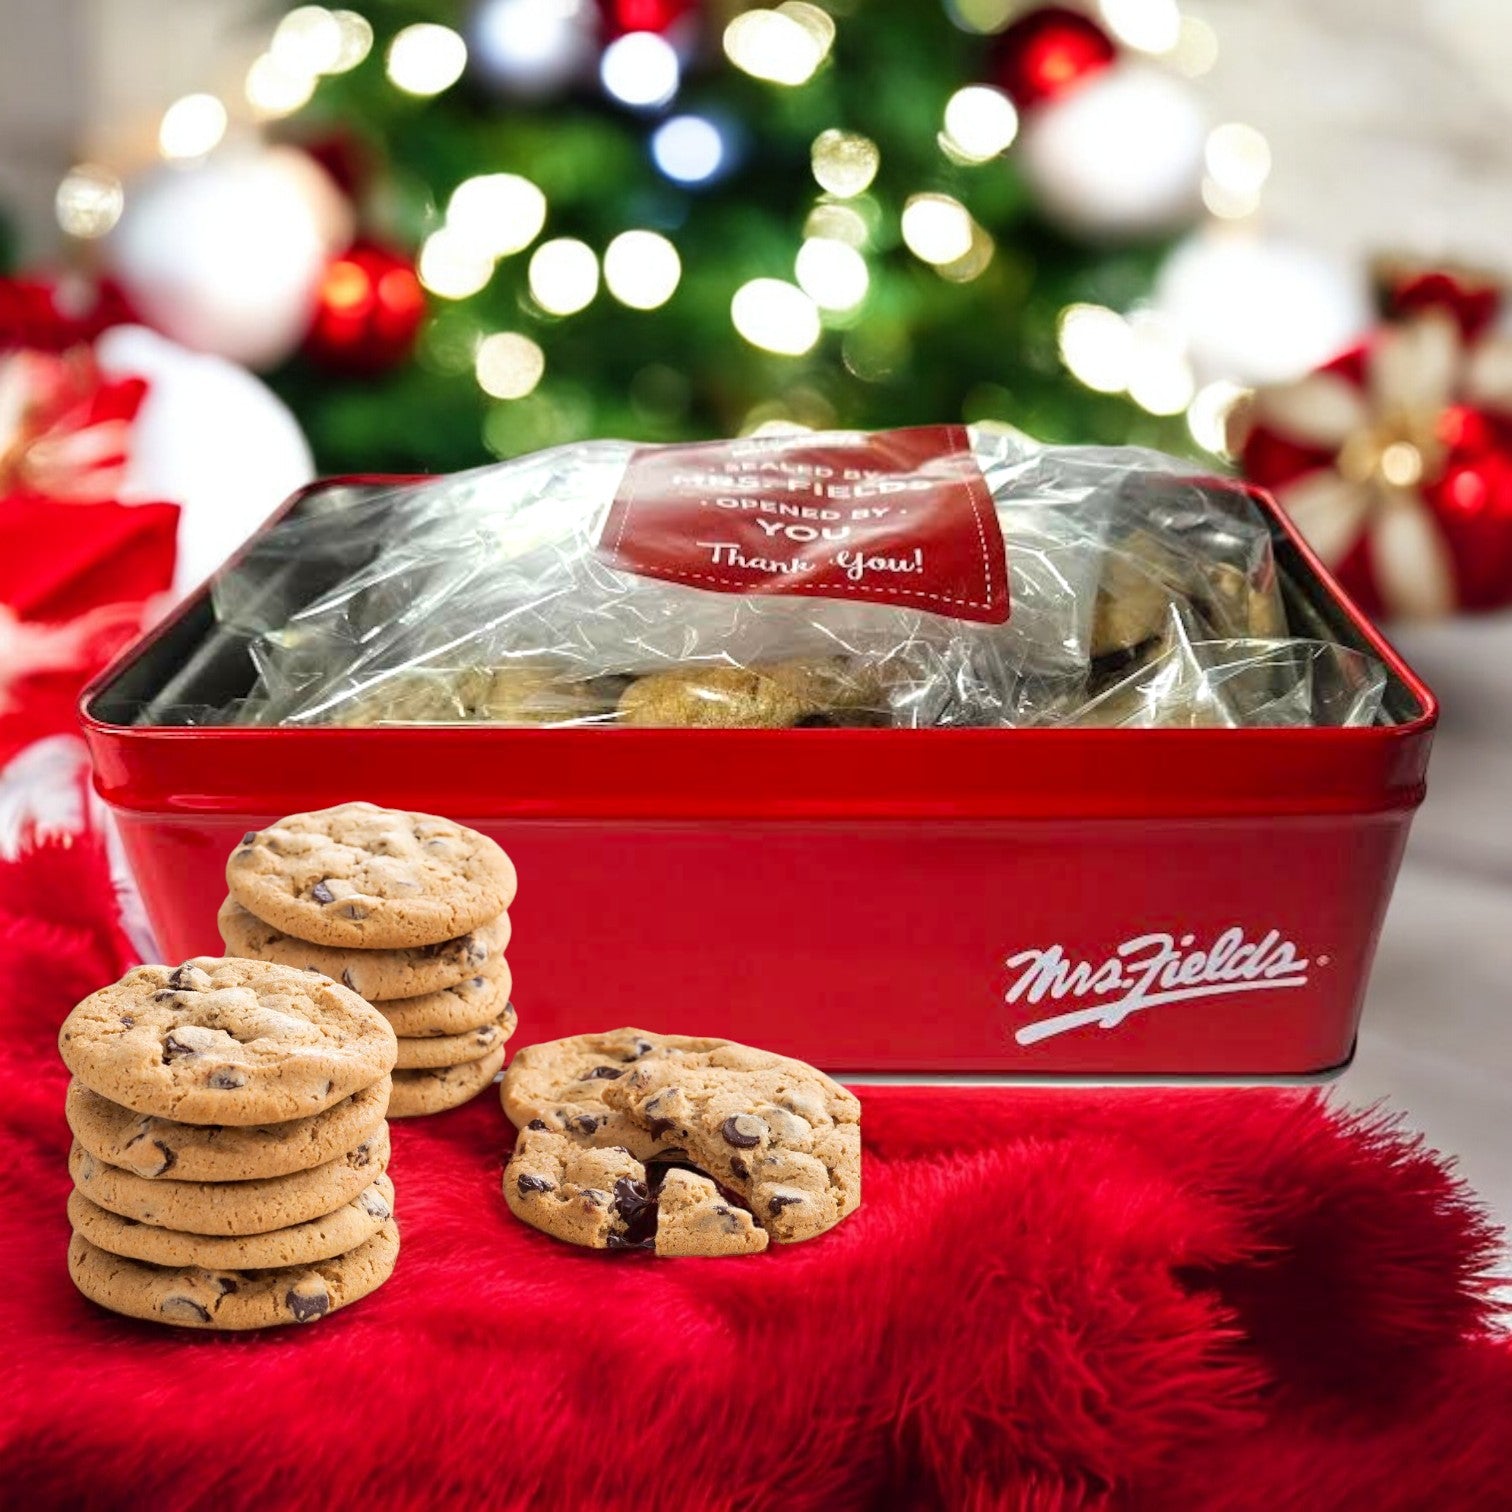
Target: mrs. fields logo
{"x":1147,"y":972}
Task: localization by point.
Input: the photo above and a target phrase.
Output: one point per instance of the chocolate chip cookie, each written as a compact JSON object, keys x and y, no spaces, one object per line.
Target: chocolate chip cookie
{"x":233,"y":1207}
{"x":427,"y":1052}
{"x":456,"y":1010}
{"x":560,"y":1084}
{"x":320,"y":1238}
{"x":153,"y":1147}
{"x":226,"y":1041}
{"x":192,"y":1297}
{"x":377,"y":975}
{"x":374,"y":878}
{"x":783,"y":1137}
{"x":604,"y":1198}
{"x":417,"y":1093}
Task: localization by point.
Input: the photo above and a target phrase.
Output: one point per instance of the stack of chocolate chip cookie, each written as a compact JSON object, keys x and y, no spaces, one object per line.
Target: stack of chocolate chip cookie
{"x":681,"y":1146}
{"x":408,"y":910}
{"x":230,"y":1146}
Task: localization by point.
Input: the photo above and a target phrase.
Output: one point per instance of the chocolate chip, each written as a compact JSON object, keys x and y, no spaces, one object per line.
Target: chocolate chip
{"x":661,"y":1127}
{"x":227,"y":1079}
{"x":352,"y":911}
{"x":601,"y":1073}
{"x":250,"y":838}
{"x":595,"y":1197}
{"x":536,"y":1123}
{"x":321,"y":893}
{"x":169,"y":1158}
{"x":477,"y":983}
{"x":743,"y":1130}
{"x":534,"y":1184}
{"x":360,"y":1156}
{"x":226,"y":1284}
{"x":477,"y":952}
{"x":305,"y":1307}
{"x":346,"y":978}
{"x":584,"y":1123}
{"x":640,"y":1047}
{"x":740,"y":1168}
{"x":185,"y":1304}
{"x":631,"y":1198}
{"x":778,"y":1202}
{"x":182,"y":979}
{"x":617,"y":1242}
{"x":174,"y":1049}
{"x":164,"y":995}
{"x":127,"y":1021}
{"x":374,"y":1205}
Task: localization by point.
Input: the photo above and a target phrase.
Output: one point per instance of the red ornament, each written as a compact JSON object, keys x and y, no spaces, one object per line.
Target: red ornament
{"x":1048,"y":52}
{"x":624,"y":16}
{"x":368,"y":311}
{"x":44,"y":314}
{"x":1395,"y":459}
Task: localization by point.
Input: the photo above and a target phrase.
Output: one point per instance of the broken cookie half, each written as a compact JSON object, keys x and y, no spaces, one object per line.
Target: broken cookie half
{"x":604,"y":1198}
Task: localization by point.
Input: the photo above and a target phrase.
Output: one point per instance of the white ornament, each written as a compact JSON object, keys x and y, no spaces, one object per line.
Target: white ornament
{"x":209,"y":437}
{"x":1257,"y":309}
{"x":1120,"y":156}
{"x":226,"y":256}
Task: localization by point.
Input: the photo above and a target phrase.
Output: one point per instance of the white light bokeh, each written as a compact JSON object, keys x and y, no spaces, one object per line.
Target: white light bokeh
{"x":1238,"y":162}
{"x":689,"y":149}
{"x":642,"y":269}
{"x":496,"y":214}
{"x":1160,"y":377}
{"x":564,"y":276}
{"x":980,"y":123}
{"x":426,"y":59}
{"x":936,"y":228}
{"x":89,"y":201}
{"x":1208,"y":413}
{"x":273,"y":90}
{"x":640,"y":70}
{"x":842,"y":223}
{"x":191,"y":127}
{"x":453,"y":267}
{"x":844,"y":162}
{"x":832,"y":274}
{"x":1151,"y":26}
{"x":308,"y":41}
{"x":1196,"y":49}
{"x":782,"y":46}
{"x":1097,"y":347}
{"x":356,"y":41}
{"x":533,"y":48}
{"x":775,"y":316}
{"x":508,"y":365}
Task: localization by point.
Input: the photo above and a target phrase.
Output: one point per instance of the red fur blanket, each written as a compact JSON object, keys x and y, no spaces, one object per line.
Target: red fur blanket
{"x":1062,"y":1300}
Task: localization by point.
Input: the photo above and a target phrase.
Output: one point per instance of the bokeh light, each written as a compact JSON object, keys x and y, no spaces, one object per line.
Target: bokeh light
{"x":308,"y":40}
{"x":775,"y":316}
{"x":1208,"y":414}
{"x":453,"y":267}
{"x":191,"y":127}
{"x":980,"y":123}
{"x":1097,"y":347}
{"x":356,"y":41}
{"x":89,"y":201}
{"x":564,"y":276}
{"x":425,"y":59}
{"x":842,"y":223}
{"x":689,"y":149}
{"x":844,"y":162}
{"x":782,"y":46}
{"x":641,"y":269}
{"x":508,"y":365}
{"x":936,"y":228}
{"x":1151,"y":26}
{"x":641,"y":70}
{"x":532,"y":48}
{"x":832,"y":274}
{"x":1238,"y":160}
{"x":273,"y":90}
{"x":496,"y":214}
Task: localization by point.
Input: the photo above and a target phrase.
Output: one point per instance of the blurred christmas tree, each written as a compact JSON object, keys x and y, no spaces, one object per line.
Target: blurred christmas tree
{"x":661,"y":219}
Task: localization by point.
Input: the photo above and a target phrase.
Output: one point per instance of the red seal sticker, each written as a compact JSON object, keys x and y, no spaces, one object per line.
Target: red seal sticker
{"x":899,"y":517}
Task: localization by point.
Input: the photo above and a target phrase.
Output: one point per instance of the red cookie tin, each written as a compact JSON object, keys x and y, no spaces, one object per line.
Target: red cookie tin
{"x":921,"y":904}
